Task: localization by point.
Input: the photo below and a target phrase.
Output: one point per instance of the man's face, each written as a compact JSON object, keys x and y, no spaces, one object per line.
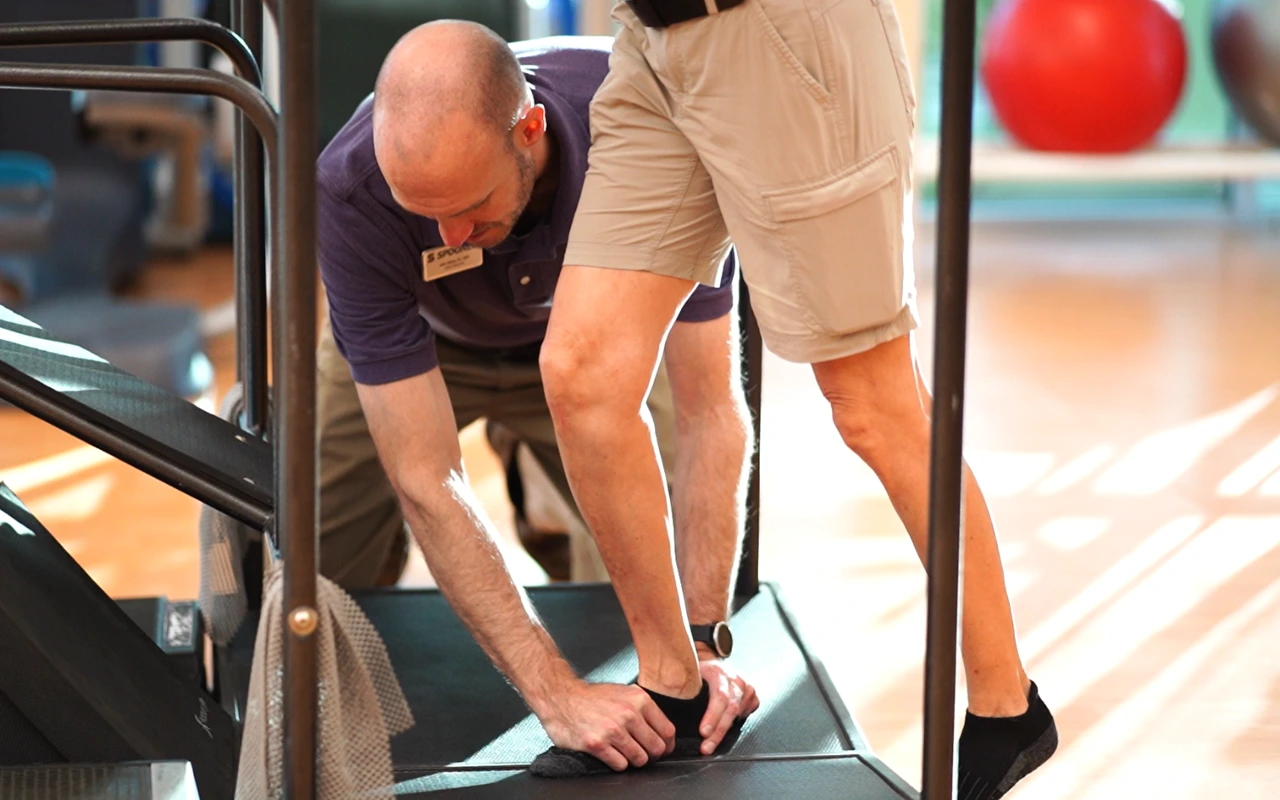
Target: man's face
{"x":502,"y":198}
{"x":475,"y":193}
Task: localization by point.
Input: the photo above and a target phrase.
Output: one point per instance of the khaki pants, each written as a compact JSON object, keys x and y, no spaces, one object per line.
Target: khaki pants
{"x":360,"y":517}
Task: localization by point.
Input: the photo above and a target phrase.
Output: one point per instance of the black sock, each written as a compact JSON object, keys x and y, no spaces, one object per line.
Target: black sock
{"x":997,"y":752}
{"x":686,"y":715}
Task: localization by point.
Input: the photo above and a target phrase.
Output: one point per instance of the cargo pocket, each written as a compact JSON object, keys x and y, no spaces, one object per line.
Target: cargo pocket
{"x":844,"y":243}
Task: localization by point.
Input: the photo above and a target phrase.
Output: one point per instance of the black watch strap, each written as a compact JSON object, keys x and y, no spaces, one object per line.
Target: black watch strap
{"x":716,"y":635}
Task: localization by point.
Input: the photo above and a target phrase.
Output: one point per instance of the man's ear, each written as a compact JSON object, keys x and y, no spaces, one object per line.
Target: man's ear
{"x":532,"y":126}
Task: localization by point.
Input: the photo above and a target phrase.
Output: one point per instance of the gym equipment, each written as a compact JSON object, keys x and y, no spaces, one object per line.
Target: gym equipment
{"x":475,"y":736}
{"x":192,"y":375}
{"x":176,"y":628}
{"x":100,"y":198}
{"x":139,"y":714}
{"x":248,"y":178}
{"x":821,"y":775}
{"x":26,"y":201}
{"x":26,"y":212}
{"x":172,"y":132}
{"x":81,"y":682}
{"x":159,"y":780}
{"x":805,"y":738}
{"x":96,"y":242}
{"x":355,"y":35}
{"x":157,"y":342}
{"x":45,"y":271}
{"x":131,"y":417}
{"x":138,"y":423}
{"x":1090,"y":76}
{"x":1246,"y":55}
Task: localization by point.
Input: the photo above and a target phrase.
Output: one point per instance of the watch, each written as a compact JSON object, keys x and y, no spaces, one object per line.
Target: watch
{"x":717,"y":635}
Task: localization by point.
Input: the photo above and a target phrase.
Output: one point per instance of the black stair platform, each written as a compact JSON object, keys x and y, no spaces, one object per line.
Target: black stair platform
{"x":155,"y":780}
{"x":474,"y":735}
{"x":848,"y":776}
{"x":82,"y":683}
{"x":135,"y":421}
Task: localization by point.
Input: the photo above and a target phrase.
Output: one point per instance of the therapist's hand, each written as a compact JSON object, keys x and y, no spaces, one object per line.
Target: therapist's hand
{"x":731,"y":697}
{"x":620,"y":725}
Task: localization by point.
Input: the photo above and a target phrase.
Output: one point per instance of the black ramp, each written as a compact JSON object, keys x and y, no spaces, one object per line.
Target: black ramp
{"x":79,"y":392}
{"x":845,"y":777}
{"x":468,"y":714}
{"x":79,"y":672}
{"x":474,"y":735}
{"x":448,"y":679}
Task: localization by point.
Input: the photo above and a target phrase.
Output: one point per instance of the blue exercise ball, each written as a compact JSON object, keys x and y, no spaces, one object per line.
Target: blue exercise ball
{"x":1246,"y":53}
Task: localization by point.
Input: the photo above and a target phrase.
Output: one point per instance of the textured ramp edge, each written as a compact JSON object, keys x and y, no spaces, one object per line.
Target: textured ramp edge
{"x":160,"y":780}
{"x":836,"y":777}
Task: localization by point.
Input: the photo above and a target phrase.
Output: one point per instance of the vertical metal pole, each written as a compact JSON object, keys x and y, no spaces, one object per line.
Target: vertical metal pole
{"x":295,"y":384}
{"x":945,"y":556}
{"x":250,"y":241}
{"x":752,"y":379}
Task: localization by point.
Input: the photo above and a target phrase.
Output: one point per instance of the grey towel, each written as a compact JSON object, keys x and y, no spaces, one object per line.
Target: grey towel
{"x":360,"y":706}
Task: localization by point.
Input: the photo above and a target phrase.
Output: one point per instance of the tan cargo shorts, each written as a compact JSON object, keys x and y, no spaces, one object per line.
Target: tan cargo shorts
{"x":783,"y":126}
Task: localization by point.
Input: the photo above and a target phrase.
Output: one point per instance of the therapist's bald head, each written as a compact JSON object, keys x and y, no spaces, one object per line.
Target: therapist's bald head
{"x":445,"y":88}
{"x":455,"y":130}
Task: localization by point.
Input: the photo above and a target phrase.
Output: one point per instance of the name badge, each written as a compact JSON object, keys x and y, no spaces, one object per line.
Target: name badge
{"x":444,"y":261}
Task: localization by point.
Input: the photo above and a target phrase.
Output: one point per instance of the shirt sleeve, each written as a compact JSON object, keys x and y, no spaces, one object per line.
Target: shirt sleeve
{"x":712,"y":302}
{"x":368,"y":264}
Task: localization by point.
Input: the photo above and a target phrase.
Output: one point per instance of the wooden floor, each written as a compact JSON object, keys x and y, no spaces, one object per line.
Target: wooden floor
{"x":1124,"y":418}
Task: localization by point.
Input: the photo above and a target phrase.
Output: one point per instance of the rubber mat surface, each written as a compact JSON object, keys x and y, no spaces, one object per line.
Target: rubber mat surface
{"x":850,"y":777}
{"x":467,"y":714}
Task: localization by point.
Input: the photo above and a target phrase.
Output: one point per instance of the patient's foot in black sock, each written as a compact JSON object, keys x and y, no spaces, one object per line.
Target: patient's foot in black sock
{"x":685,"y":714}
{"x":997,"y":752}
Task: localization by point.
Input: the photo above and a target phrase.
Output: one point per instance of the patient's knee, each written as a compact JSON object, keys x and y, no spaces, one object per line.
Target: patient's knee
{"x":581,"y":377}
{"x":878,"y":427}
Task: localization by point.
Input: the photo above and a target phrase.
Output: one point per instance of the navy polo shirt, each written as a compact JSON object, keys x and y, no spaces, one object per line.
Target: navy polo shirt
{"x":384,"y":316}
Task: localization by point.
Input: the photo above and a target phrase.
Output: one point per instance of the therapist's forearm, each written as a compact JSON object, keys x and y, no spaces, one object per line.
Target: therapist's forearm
{"x":464,"y":558}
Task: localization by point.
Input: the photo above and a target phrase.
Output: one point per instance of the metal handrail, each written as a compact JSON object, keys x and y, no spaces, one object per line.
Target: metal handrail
{"x":294,"y":370}
{"x":946,"y":481}
{"x":248,"y":177}
{"x":260,"y":113}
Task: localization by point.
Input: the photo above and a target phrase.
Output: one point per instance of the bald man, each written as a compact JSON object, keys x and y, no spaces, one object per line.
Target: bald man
{"x":444,"y":208}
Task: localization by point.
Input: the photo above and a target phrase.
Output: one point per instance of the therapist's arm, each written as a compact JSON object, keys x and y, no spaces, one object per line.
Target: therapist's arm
{"x":413,"y":427}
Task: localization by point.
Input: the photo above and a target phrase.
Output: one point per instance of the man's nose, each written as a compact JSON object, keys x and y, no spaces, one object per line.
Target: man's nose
{"x":455,"y":232}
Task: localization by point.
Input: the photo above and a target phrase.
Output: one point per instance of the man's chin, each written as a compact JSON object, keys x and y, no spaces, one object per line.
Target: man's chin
{"x":488,"y":239}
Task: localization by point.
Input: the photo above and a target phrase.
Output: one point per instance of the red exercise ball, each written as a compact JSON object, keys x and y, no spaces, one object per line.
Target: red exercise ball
{"x":1093,"y":76}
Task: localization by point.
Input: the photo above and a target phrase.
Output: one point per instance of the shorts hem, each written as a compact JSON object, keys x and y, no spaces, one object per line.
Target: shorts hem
{"x":603,"y":256}
{"x":819,"y":348}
